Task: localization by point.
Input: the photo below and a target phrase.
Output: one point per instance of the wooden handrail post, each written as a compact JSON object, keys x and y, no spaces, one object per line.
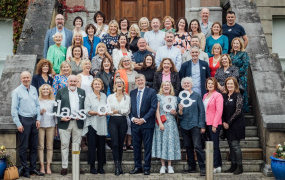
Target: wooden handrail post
{"x":209,"y":160}
{"x":75,"y":161}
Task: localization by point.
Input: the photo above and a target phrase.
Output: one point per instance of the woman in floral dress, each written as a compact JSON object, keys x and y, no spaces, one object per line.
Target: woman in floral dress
{"x":182,"y":37}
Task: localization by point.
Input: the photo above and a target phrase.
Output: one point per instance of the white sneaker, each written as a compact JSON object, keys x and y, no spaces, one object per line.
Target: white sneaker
{"x":162,"y":170}
{"x":217,"y":170}
{"x":106,"y":146}
{"x":170,"y":170}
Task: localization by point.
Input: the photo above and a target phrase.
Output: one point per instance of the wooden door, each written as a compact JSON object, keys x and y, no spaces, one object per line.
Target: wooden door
{"x":135,"y":9}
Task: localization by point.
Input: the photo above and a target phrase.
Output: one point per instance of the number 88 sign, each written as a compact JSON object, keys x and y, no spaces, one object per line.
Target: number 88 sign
{"x":183,"y":99}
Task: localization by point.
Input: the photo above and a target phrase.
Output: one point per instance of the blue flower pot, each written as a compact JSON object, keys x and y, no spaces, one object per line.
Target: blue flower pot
{"x":3,"y":166}
{"x":278,"y":168}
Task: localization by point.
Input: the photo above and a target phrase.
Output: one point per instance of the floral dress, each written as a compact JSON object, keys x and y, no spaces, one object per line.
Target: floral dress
{"x":166,"y":143}
{"x":59,"y":82}
{"x":241,"y":61}
{"x":182,"y":42}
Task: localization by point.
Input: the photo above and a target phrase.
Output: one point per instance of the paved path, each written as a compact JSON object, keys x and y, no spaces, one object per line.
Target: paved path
{"x":156,"y":176}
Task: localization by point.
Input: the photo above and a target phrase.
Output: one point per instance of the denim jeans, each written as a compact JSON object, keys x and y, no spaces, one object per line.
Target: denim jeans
{"x":216,"y":141}
{"x":235,"y":152}
{"x":191,"y":141}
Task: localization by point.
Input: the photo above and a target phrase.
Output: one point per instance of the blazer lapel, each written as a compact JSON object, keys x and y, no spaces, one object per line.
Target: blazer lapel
{"x":201,"y":69}
{"x":189,"y":69}
{"x":211,"y":98}
{"x":66,"y":93}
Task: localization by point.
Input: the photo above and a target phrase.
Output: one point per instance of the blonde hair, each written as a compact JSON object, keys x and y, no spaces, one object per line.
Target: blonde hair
{"x":63,"y":64}
{"x":171,"y":19}
{"x":217,"y":45}
{"x":115,"y":88}
{"x":73,"y":39}
{"x":51,"y":96}
{"x":57,"y":34}
{"x":120,"y":66}
{"x":100,"y":80}
{"x":137,"y":29}
{"x":240,"y":42}
{"x":84,"y":61}
{"x":172,"y":93}
{"x":100,"y":45}
{"x":143,"y":19}
{"x":116,"y":24}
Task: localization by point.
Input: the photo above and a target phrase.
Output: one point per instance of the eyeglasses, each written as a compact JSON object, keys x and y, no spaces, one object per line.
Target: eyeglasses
{"x":118,"y":82}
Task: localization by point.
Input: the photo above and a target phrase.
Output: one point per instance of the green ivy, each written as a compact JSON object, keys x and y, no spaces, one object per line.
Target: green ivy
{"x":16,"y":10}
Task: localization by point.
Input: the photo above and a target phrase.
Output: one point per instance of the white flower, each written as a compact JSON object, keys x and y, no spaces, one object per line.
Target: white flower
{"x":280,"y":148}
{"x":279,"y":145}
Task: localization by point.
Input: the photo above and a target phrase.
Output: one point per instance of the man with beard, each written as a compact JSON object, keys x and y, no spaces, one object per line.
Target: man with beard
{"x":195,"y":41}
{"x":169,"y":51}
{"x":70,"y":119}
{"x":233,"y":30}
{"x":198,"y":70}
{"x":205,"y":24}
{"x":25,"y":111}
{"x":66,"y":34}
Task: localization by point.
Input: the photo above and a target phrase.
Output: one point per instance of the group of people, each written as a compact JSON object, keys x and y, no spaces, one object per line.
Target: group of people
{"x":135,"y":85}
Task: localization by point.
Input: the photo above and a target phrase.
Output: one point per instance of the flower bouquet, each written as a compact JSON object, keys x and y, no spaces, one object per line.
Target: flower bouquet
{"x":5,"y":159}
{"x":278,"y":162}
{"x":280,"y":151}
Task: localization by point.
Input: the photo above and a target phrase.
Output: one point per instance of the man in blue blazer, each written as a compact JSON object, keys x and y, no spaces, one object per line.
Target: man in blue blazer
{"x":197,"y":69}
{"x":66,"y":34}
{"x":143,"y":108}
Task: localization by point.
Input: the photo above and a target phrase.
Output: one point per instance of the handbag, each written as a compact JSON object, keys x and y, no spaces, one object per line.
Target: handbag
{"x":162,"y":118}
{"x":11,"y":172}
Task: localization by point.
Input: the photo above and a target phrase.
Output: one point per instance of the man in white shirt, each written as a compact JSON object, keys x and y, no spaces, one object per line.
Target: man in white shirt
{"x":205,"y":24}
{"x":71,"y":117}
{"x":154,"y":38}
{"x":169,"y":51}
{"x":195,"y":41}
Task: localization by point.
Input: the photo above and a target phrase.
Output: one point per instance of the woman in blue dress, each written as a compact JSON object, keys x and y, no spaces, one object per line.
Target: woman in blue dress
{"x":240,"y":59}
{"x":166,"y":143}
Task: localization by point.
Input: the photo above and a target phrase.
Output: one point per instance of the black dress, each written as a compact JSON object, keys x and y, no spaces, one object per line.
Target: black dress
{"x":234,"y":116}
{"x":149,"y":75}
{"x":108,"y":80}
{"x":134,"y":44}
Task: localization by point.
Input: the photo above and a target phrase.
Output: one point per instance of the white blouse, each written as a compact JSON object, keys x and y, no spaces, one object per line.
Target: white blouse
{"x":46,"y":119}
{"x":205,"y":102}
{"x":86,"y":82}
{"x":124,"y":106}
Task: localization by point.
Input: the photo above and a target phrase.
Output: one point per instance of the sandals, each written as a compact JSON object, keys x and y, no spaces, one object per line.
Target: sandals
{"x":124,"y":147}
{"x":130,"y":147}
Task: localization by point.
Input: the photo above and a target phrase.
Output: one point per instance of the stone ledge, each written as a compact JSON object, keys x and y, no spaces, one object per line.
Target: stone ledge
{"x":274,"y":122}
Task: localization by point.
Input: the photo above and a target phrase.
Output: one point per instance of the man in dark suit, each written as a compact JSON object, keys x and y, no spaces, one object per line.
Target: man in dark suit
{"x":197,"y":69}
{"x":70,"y":117}
{"x":66,"y":34}
{"x":143,"y":108}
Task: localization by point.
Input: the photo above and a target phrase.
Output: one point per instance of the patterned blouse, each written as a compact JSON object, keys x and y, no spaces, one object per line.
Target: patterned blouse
{"x":182,"y":42}
{"x":59,"y":82}
{"x":106,"y":39}
{"x":221,"y":75}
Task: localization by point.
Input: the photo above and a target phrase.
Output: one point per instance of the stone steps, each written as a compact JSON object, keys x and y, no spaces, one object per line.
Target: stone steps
{"x":248,"y":154}
{"x":248,"y":166}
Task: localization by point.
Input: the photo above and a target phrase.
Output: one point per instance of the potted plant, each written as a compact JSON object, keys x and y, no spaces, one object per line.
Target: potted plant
{"x":278,"y":162}
{"x":4,"y":160}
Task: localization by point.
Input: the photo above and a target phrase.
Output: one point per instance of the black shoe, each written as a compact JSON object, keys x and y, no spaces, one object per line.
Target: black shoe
{"x":189,"y":170}
{"x":36,"y":172}
{"x":120,"y":168}
{"x":239,"y":169}
{"x":82,"y":171}
{"x":136,"y":171}
{"x":93,"y":169}
{"x":21,"y":171}
{"x":63,"y":171}
{"x":100,"y":169}
{"x":117,"y":168}
{"x":202,"y":172}
{"x":146,"y":172}
{"x":26,"y":174}
{"x":232,"y":168}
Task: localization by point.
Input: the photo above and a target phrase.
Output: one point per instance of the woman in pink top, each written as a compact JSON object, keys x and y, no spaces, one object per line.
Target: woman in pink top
{"x":214,"y":62}
{"x":213,"y":103}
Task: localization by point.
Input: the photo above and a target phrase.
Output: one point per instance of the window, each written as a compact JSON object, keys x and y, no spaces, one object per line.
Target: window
{"x":6,"y":37}
{"x":278,"y":38}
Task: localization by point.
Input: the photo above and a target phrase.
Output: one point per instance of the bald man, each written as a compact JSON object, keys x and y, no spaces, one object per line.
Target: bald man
{"x":66,"y":34}
{"x":25,"y":112}
{"x":205,"y":24}
{"x":72,"y":101}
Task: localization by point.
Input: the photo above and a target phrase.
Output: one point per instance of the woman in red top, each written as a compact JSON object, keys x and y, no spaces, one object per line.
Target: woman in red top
{"x":214,"y":62}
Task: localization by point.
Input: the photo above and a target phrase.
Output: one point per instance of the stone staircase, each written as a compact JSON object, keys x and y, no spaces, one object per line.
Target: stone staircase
{"x":251,"y":151}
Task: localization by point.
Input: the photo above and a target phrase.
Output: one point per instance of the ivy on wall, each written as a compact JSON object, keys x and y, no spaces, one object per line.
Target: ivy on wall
{"x":68,"y":9}
{"x":16,"y":10}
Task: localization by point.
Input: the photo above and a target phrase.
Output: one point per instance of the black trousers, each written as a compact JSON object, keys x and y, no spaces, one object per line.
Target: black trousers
{"x":117,"y":128}
{"x":144,"y":135}
{"x":28,"y":136}
{"x":96,"y":147}
{"x":235,"y":151}
{"x":191,"y":141}
{"x":216,"y":141}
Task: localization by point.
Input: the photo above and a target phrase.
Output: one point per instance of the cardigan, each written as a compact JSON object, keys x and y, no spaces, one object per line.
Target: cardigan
{"x":86,"y":43}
